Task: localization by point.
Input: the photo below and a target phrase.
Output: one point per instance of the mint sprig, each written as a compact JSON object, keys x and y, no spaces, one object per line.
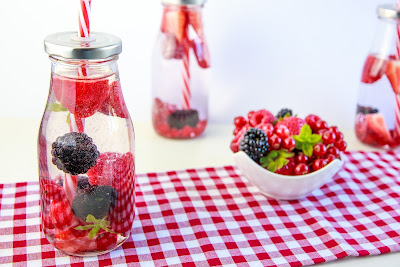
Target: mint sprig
{"x":306,"y":140}
{"x":95,"y":226}
{"x":276,"y":159}
{"x":55,"y":107}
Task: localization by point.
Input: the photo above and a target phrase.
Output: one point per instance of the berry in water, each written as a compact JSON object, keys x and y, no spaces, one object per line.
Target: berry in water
{"x":254,"y":144}
{"x":366,"y":110}
{"x":97,"y":201}
{"x":74,"y":153}
{"x":180,"y":118}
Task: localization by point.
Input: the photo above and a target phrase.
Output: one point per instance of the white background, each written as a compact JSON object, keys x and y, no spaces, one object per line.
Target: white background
{"x":306,"y":54}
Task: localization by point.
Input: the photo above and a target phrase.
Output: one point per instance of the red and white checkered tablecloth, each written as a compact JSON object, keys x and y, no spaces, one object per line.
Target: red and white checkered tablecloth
{"x":213,"y":216}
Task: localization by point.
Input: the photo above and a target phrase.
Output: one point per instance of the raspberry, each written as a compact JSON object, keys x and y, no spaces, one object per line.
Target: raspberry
{"x":74,"y":153}
{"x":294,"y":124}
{"x":261,"y":116}
{"x":62,"y":214}
{"x":254,"y":144}
{"x":180,"y":118}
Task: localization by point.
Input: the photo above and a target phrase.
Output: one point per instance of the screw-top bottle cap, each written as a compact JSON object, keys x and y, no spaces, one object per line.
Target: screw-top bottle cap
{"x":70,"y":45}
{"x":388,"y":11}
{"x":184,"y":2}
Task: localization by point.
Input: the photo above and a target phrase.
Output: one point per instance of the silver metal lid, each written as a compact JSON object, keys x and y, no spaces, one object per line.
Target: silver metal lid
{"x":184,"y":2}
{"x":388,"y":11}
{"x":70,"y":45}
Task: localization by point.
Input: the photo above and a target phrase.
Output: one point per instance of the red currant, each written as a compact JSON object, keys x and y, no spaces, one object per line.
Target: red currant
{"x":311,"y":120}
{"x":341,"y":145}
{"x":239,"y":121}
{"x":318,"y":164}
{"x":329,"y":158}
{"x":267,"y":128}
{"x":328,"y":137}
{"x":319,"y":150}
{"x":274,"y":142}
{"x":289,"y":143}
{"x":333,"y":129}
{"x":282,"y":131}
{"x":333,"y":151}
{"x":301,"y":169}
{"x":320,"y":125}
{"x":301,"y":158}
{"x":339,"y":136}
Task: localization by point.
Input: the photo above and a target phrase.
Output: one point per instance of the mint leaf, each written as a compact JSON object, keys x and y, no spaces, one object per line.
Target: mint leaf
{"x":306,"y":140}
{"x":56,"y":107}
{"x":95,"y":226}
{"x":276,"y":159}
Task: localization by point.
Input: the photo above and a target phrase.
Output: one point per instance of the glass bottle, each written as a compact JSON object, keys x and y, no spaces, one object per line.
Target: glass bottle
{"x":378,"y":107}
{"x":180,"y":65}
{"x":86,"y":147}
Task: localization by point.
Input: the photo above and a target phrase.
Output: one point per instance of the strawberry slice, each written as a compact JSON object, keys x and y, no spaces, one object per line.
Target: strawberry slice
{"x":373,"y":70}
{"x":393,"y":74}
{"x":195,"y":20}
{"x":377,"y":127}
{"x":201,"y":52}
{"x":172,"y":48}
{"x":175,"y":22}
{"x":81,"y":97}
{"x":115,"y":105}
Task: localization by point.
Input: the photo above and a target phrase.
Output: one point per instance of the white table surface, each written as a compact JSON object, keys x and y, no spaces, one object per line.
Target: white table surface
{"x":18,"y":157}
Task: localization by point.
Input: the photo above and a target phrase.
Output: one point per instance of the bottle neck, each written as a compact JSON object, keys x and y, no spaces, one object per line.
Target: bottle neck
{"x":178,"y":19}
{"x":84,"y":69}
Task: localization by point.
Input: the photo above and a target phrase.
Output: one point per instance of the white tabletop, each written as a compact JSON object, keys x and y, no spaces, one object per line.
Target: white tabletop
{"x":18,"y":157}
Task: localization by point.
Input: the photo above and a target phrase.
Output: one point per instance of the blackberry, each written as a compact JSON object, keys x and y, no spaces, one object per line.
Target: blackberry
{"x":366,"y":110}
{"x":83,"y":184}
{"x":254,"y":144}
{"x":285,"y":112}
{"x":180,"y":118}
{"x":97,"y":201}
{"x":74,"y":153}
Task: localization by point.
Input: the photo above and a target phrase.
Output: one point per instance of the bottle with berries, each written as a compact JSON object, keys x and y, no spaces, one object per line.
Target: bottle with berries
{"x":378,"y":107}
{"x":86,"y":147}
{"x":181,"y":64}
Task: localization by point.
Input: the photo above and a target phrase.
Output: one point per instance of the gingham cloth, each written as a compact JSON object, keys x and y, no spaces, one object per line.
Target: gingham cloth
{"x":213,"y":216}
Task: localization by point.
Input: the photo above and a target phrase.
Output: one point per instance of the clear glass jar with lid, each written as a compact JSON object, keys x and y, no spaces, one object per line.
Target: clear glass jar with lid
{"x":86,"y":147}
{"x":378,"y":105}
{"x":180,"y":71}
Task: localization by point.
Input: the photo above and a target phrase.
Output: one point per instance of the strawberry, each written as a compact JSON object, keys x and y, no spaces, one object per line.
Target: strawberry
{"x":294,"y":124}
{"x":201,"y":52}
{"x":373,"y":70}
{"x":377,"y":133}
{"x":393,"y":74}
{"x":81,"y":97}
{"x":261,"y":116}
{"x":114,"y":104}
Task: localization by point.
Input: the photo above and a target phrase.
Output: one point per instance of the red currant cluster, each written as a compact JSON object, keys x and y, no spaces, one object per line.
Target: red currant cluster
{"x":295,"y":146}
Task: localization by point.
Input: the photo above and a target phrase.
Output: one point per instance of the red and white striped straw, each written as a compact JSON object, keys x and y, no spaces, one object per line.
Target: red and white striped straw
{"x":186,"y":94}
{"x":397,"y":96}
{"x":84,"y":18}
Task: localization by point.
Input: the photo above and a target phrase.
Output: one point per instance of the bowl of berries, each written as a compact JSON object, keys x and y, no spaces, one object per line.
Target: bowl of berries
{"x":285,"y":156}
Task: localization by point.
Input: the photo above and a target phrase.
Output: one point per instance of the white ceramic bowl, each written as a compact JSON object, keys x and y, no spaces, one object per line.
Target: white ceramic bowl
{"x":285,"y":187}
